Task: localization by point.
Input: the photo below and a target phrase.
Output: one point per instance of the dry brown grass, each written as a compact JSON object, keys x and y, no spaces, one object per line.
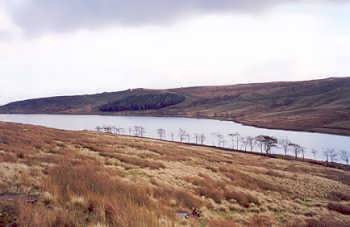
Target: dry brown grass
{"x":102,"y":196}
{"x":177,"y":198}
{"x":208,"y":187}
{"x":222,"y":223}
{"x":244,"y":180}
{"x":324,"y":221}
{"x":261,"y":221}
{"x":139,"y":162}
{"x":244,"y":199}
{"x":88,"y":179}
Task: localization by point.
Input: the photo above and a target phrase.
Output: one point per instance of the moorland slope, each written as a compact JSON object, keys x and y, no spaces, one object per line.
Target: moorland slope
{"x":51,"y":177}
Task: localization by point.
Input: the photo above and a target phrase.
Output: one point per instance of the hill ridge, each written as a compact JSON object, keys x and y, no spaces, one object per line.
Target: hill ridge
{"x":315,"y":105}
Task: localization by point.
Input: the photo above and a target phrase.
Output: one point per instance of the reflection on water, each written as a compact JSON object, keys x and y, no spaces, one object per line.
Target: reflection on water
{"x":216,"y":132}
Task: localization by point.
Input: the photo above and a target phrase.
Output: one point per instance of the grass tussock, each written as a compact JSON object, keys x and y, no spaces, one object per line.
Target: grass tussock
{"x":178,"y":198}
{"x":245,"y":180}
{"x":219,"y":191}
{"x":207,"y":187}
{"x":242,"y":198}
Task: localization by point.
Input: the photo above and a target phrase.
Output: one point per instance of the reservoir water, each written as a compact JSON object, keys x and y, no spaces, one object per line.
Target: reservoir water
{"x":208,"y":127}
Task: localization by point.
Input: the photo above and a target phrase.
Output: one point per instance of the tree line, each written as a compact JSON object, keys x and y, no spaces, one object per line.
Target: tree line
{"x":143,"y":102}
{"x":261,"y":143}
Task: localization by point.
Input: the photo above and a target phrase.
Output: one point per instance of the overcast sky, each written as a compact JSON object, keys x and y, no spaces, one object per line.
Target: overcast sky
{"x":61,"y":47}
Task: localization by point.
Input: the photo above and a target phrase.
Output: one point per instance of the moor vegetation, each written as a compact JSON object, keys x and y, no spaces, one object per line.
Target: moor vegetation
{"x":52,"y":177}
{"x":318,"y":105}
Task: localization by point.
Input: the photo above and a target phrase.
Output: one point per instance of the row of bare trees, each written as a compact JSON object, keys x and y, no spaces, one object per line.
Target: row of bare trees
{"x":261,"y":143}
{"x":249,"y":143}
{"x":132,"y":131}
{"x":296,"y":149}
{"x":331,"y":155}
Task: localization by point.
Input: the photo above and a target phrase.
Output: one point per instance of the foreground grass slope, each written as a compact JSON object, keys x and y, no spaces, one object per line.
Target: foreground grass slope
{"x":51,"y":177}
{"x":318,"y":105}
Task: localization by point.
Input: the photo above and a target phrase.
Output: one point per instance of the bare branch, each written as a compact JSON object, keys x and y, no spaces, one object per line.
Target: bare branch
{"x":267,"y":141}
{"x":345,"y":156}
{"x":161,"y":132}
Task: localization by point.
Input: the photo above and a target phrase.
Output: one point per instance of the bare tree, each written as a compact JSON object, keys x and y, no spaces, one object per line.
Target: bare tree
{"x":136,"y":131}
{"x":114,"y":130}
{"x":245,"y":142}
{"x":250,"y":141}
{"x":314,"y":153}
{"x":259,"y":144}
{"x":98,"y":128}
{"x":107,"y":129}
{"x":202,"y":138}
{"x":188,"y":136}
{"x":285,"y":145}
{"x":161,"y":132}
{"x":297,"y":149}
{"x":182,"y":135}
{"x":221,"y":139}
{"x":330,"y":155}
{"x":120,"y":131}
{"x":139,"y":131}
{"x":302,"y":151}
{"x":326,"y":155}
{"x":117,"y":131}
{"x":197,"y":138}
{"x":235,"y":138}
{"x":345,"y":156}
{"x":172,"y":136}
{"x":142,"y":131}
{"x":268,"y":142}
{"x":232,"y":135}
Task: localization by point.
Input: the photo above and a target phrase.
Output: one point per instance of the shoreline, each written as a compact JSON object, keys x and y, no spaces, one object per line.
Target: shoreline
{"x":226,"y":150}
{"x":191,"y":117}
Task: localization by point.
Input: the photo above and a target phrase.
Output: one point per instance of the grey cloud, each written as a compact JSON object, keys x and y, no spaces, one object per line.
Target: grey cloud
{"x":6,"y":35}
{"x":35,"y":16}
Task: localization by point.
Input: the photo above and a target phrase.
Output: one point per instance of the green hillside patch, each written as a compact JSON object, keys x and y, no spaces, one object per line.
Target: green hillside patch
{"x":143,"y":102}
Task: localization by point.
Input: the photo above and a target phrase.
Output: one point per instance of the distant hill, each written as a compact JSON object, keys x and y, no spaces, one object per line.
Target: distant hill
{"x":317,"y":105}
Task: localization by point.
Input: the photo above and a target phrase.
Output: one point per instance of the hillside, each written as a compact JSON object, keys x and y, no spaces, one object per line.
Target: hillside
{"x":318,"y":105}
{"x":51,"y":177}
